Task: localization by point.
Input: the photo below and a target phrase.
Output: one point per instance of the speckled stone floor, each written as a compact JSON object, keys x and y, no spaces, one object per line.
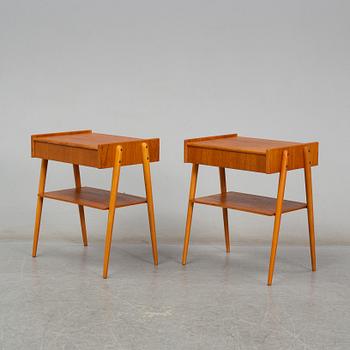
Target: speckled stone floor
{"x":218,"y":301}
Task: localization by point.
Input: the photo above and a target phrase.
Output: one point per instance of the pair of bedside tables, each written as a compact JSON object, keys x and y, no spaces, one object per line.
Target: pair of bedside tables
{"x":101,"y":151}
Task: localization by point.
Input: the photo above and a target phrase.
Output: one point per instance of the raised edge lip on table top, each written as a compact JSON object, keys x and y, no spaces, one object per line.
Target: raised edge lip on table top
{"x":258,"y":148}
{"x":83,"y":139}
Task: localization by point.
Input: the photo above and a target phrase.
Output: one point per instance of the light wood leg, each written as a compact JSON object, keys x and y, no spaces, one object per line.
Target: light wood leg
{"x":277,"y":224}
{"x":81,"y":207}
{"x":225,"y":210}
{"x":111,"y":211}
{"x":149,"y":196}
{"x":192,"y":194}
{"x":310,"y":206}
{"x":39,"y":205}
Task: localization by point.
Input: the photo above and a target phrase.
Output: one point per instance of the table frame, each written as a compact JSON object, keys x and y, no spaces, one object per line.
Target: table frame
{"x":112,"y":203}
{"x":308,"y":158}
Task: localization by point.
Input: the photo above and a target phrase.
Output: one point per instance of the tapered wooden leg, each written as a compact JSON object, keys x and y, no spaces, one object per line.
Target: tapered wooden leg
{"x":277,"y":224}
{"x":310,"y":206}
{"x":192,"y":194}
{"x":81,"y":207}
{"x":39,"y":205}
{"x":149,"y":196}
{"x":225,"y":210}
{"x":111,"y":211}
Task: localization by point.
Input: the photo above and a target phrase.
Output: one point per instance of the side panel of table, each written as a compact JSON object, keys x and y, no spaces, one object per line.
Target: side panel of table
{"x":132,"y":153}
{"x":295,"y":157}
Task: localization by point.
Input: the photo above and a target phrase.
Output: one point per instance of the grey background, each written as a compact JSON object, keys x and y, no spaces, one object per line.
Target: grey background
{"x":175,"y":70}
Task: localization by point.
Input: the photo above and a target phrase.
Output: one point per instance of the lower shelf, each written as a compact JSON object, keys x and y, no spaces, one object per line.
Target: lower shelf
{"x":93,"y":197}
{"x":249,"y":203}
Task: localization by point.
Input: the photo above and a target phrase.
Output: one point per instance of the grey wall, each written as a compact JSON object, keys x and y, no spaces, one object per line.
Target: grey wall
{"x":174,"y":70}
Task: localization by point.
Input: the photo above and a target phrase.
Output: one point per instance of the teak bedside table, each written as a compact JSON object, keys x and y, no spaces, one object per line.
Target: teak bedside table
{"x":258,"y":155}
{"x":99,"y":151}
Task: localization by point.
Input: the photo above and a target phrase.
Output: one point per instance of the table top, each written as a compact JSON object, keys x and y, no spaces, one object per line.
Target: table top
{"x":85,"y":147}
{"x":247,"y":153}
{"x":241,"y":144}
{"x":83,"y":139}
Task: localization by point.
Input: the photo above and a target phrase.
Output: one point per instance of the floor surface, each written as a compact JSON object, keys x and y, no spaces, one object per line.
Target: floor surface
{"x":60,"y":301}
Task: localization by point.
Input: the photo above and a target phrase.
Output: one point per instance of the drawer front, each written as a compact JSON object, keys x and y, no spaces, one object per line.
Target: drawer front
{"x":226,"y":159}
{"x":66,"y":154}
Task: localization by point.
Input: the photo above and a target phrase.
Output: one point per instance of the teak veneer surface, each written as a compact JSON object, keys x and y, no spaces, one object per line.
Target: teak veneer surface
{"x":251,"y":154}
{"x":89,"y":140}
{"x":247,"y":153}
{"x":243,"y":144}
{"x":85,"y":147}
{"x":93,"y":197}
{"x":249,"y":203}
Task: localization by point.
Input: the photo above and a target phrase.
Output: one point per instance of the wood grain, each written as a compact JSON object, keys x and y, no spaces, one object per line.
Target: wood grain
{"x":223,"y":189}
{"x":39,"y":205}
{"x":226,"y":159}
{"x":295,"y":157}
{"x":247,"y":153}
{"x":91,"y":149}
{"x":193,"y":186}
{"x":37,"y":136}
{"x":310,"y":206}
{"x":242,"y":144}
{"x":149,"y":197}
{"x":205,"y":138}
{"x":258,"y":155}
{"x":132,"y":152}
{"x":278,"y":215}
{"x":112,"y":205}
{"x":84,"y":147}
{"x":249,"y":203}
{"x":77,"y":180}
{"x":89,"y":140}
{"x":93,"y":197}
